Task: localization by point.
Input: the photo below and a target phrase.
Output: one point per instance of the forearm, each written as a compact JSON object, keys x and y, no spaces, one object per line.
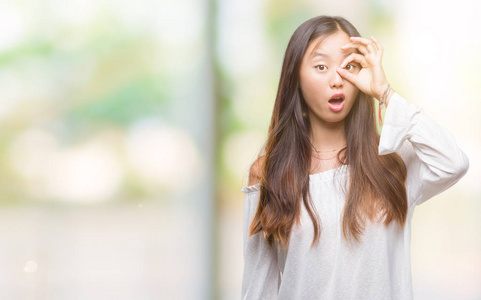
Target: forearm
{"x":439,"y":161}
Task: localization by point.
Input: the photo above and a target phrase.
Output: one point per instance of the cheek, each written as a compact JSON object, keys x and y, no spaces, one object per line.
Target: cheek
{"x":354,"y":94}
{"x":351,"y":89}
{"x":310,"y":75}
{"x":313,"y":86}
{"x":307,"y":82}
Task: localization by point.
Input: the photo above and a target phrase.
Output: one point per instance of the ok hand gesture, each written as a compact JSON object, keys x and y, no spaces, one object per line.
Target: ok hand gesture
{"x":371,"y":79}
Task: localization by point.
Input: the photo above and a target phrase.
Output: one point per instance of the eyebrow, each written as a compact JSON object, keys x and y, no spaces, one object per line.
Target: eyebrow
{"x":317,"y":53}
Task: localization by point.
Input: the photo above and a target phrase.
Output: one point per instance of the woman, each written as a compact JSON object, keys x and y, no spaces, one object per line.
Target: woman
{"x":328,"y":208}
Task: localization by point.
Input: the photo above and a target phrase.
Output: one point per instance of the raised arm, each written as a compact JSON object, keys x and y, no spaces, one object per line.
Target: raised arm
{"x":434,"y":160}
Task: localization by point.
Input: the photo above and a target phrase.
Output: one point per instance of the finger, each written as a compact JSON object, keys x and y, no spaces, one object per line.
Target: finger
{"x":362,"y":40}
{"x":378,"y":45}
{"x":368,"y":44}
{"x":349,"y":76}
{"x":356,"y":57}
{"x":359,"y":38}
{"x":361,"y":48}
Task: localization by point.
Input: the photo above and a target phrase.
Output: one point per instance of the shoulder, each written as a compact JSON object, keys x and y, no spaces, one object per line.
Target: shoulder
{"x":255,"y":171}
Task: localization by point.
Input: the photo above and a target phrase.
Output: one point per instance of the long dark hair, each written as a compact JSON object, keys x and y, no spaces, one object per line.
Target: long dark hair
{"x":376,"y":182}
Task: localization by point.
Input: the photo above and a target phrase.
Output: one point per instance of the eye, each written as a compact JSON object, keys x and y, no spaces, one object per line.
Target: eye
{"x":321,"y":66}
{"x":353,"y":66}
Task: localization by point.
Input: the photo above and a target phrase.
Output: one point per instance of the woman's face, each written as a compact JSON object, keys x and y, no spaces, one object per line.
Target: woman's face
{"x":320,"y":81}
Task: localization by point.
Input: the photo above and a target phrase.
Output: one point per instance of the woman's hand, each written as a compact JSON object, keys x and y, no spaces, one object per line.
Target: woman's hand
{"x":371,"y":79}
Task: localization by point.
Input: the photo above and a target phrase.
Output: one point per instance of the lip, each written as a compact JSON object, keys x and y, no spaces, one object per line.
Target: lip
{"x":337,"y":107}
{"x":337,"y":95}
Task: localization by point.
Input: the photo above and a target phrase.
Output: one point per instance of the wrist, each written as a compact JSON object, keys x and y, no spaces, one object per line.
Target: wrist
{"x":384,"y":92}
{"x":388,"y":97}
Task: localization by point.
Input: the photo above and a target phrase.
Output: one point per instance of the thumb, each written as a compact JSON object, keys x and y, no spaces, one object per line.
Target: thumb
{"x":347,"y":75}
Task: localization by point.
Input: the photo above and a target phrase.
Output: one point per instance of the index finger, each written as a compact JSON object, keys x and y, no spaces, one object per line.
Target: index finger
{"x":364,"y":41}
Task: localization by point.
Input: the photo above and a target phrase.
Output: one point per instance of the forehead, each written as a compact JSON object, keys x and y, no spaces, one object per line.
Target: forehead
{"x":329,"y":46}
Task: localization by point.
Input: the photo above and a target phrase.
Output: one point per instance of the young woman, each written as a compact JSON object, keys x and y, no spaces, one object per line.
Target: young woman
{"x":329,"y":203}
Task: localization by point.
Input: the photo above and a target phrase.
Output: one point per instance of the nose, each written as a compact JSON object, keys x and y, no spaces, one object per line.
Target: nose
{"x":336,"y":79}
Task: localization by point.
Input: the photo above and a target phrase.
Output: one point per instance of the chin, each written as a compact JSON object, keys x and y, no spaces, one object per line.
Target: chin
{"x":335,"y":119}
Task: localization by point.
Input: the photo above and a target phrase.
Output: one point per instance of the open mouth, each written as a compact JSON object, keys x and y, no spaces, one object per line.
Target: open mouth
{"x":336,"y":101}
{"x":336,"y":104}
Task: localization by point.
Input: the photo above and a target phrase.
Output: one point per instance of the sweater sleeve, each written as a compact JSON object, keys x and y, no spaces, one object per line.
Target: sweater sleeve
{"x":433,"y":159}
{"x":261,"y":277}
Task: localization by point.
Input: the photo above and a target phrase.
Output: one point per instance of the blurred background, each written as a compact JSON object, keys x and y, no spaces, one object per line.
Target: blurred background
{"x":127,"y":129}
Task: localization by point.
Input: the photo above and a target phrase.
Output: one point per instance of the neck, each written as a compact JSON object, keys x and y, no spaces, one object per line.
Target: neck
{"x":328,"y":136}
